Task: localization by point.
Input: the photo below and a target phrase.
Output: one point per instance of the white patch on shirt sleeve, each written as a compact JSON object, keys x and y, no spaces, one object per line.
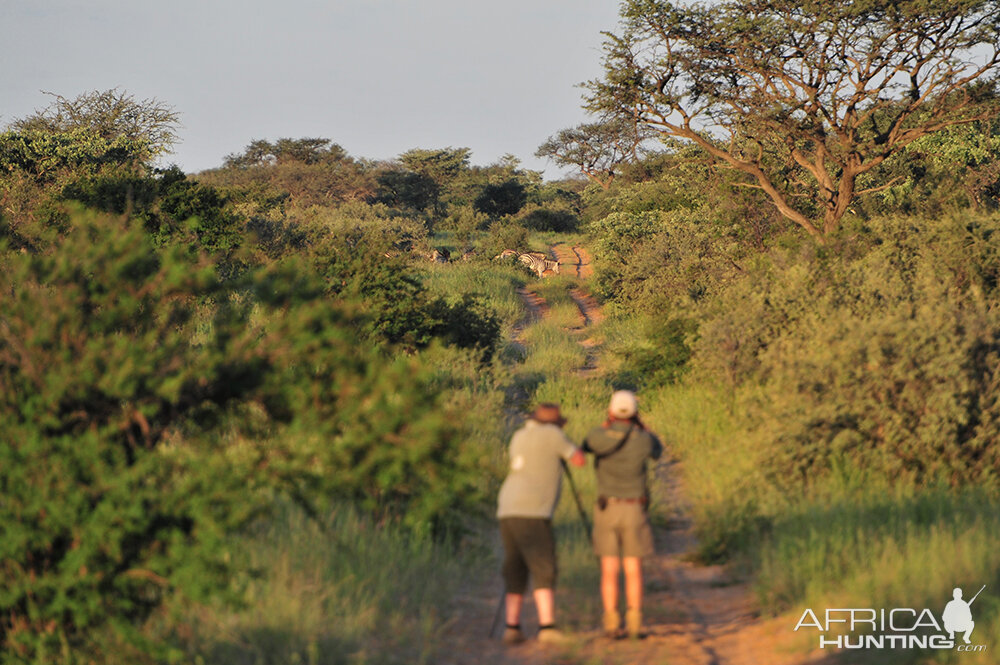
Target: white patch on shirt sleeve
{"x":517,"y":463}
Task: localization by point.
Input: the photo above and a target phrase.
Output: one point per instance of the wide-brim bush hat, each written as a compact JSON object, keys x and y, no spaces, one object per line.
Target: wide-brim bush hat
{"x":548,"y":413}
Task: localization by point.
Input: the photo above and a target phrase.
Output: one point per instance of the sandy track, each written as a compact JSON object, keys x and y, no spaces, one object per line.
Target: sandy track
{"x":576,"y":257}
{"x":694,"y":614}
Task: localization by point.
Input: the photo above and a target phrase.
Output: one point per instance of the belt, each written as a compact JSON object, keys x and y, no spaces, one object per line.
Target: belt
{"x":603,"y":501}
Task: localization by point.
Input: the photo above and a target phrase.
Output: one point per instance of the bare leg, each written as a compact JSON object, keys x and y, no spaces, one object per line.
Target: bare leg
{"x":546,"y":605}
{"x":609,"y":583}
{"x":633,"y":596}
{"x":514,"y":601}
{"x":633,"y":581}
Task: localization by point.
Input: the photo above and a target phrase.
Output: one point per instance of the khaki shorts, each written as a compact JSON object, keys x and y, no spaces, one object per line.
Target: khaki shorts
{"x":622,"y":529}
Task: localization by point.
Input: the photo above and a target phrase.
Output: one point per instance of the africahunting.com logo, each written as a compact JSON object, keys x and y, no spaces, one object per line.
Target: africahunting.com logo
{"x":896,"y":628}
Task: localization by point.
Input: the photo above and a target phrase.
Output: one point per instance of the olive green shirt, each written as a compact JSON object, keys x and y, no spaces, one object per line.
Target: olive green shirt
{"x":622,"y":474}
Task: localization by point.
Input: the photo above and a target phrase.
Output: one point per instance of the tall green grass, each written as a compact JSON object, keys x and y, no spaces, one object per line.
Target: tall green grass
{"x":882,"y":548}
{"x":495,"y":285}
{"x":551,"y":351}
{"x":342,"y":591}
{"x":563,"y":310}
{"x":850,"y":540}
{"x":723,"y":483}
{"x":918,"y":545}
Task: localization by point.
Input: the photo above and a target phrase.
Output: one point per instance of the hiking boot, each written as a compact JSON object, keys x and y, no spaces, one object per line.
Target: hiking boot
{"x":513,"y":635}
{"x":612,"y":622}
{"x":551,"y":635}
{"x":633,"y":623}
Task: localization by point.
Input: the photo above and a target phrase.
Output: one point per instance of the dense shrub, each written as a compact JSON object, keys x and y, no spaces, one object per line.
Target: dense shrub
{"x":308,"y":171}
{"x":37,"y":164}
{"x":99,"y":370}
{"x":911,"y":392}
{"x":171,"y":206}
{"x":464,"y":222}
{"x":881,"y":353}
{"x":656,"y":261}
{"x":956,"y":168}
{"x":501,"y":199}
{"x":407,"y":191}
{"x":147,"y":410}
{"x":48,"y":169}
{"x":504,"y":234}
{"x":466,"y":324}
{"x":558,"y":220}
{"x":656,"y":354}
{"x":47,"y":155}
{"x":363,"y":269}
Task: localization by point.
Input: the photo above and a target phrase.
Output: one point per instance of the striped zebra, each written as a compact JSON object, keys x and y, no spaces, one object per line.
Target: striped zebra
{"x":537,"y":262}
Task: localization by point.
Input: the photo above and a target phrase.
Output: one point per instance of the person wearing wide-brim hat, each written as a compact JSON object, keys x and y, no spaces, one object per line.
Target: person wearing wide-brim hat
{"x":622,"y":447}
{"x":527,"y":499}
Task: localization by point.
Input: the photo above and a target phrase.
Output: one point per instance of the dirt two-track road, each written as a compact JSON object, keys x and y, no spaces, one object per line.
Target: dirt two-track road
{"x":693,"y":614}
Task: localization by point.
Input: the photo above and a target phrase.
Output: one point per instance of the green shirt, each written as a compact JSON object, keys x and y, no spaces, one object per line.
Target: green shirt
{"x":532,"y":486}
{"x":622,"y":474}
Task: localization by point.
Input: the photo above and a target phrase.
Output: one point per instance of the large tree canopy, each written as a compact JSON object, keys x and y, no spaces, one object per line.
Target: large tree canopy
{"x":803,"y":97}
{"x":442,"y":165}
{"x":597,"y":148}
{"x":306,"y":151}
{"x":111,"y":115}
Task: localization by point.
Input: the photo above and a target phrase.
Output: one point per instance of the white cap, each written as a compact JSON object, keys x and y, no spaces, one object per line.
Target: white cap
{"x":623,"y":404}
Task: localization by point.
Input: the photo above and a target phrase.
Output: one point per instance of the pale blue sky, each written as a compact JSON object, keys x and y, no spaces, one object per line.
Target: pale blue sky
{"x":379,"y":77}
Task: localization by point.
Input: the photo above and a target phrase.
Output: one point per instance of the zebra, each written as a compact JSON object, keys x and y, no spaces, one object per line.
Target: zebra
{"x":536,"y":262}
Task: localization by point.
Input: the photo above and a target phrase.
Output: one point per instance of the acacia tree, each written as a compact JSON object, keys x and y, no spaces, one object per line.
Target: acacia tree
{"x":306,"y":151}
{"x":442,"y":165}
{"x":110,"y":114}
{"x":597,"y":149}
{"x":802,"y":96}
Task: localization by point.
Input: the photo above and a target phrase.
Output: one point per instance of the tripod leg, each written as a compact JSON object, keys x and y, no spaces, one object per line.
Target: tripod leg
{"x":496,"y":617}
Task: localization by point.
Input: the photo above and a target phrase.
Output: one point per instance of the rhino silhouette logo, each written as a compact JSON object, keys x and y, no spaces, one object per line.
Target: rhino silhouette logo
{"x":958,"y":617}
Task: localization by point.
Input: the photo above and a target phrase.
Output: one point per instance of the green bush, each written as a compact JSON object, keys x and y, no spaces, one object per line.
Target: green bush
{"x":652,"y":262}
{"x":103,"y":506}
{"x":172,"y":207}
{"x":558,"y":220}
{"x":883,"y":355}
{"x":501,"y":199}
{"x":464,"y":221}
{"x":947,"y":170}
{"x":305,"y":172}
{"x":504,"y":234}
{"x":912,"y":392}
{"x":37,"y":164}
{"x":362,"y":268}
{"x":656,"y":354}
{"x":148,"y":410}
{"x":466,"y":324}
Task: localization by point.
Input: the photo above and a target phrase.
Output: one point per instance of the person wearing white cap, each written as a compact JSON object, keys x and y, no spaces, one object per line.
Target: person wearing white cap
{"x":622,"y":447}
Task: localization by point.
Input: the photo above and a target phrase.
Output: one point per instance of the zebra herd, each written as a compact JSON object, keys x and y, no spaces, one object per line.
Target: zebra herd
{"x":537,"y":262}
